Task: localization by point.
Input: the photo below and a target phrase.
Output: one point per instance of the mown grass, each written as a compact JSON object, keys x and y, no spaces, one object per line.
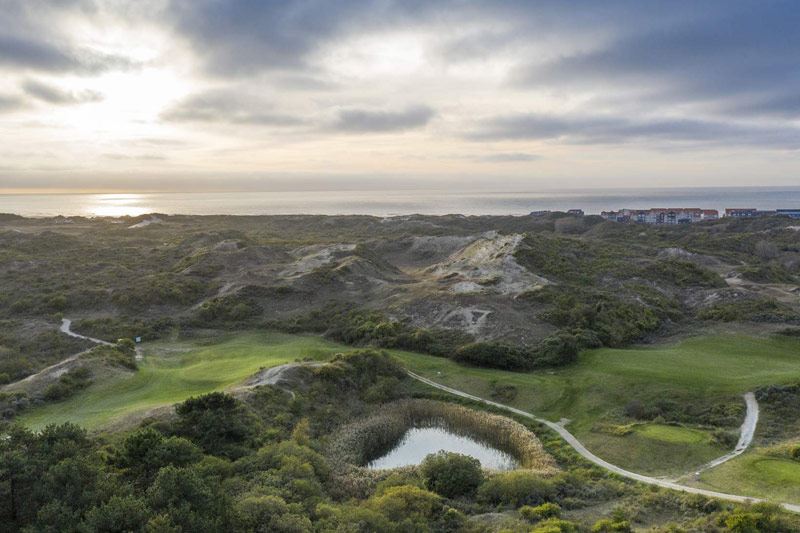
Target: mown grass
{"x":701,"y":370}
{"x":173,"y":371}
{"x":758,"y":475}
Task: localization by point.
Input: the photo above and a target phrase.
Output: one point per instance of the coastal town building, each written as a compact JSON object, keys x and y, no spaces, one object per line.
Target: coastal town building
{"x":659,"y":215}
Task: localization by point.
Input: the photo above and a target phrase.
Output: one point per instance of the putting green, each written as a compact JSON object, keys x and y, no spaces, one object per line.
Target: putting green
{"x":672,"y":434}
{"x":756,"y":474}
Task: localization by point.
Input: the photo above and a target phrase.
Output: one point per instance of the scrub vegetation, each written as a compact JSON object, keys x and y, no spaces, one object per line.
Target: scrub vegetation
{"x":550,"y":314}
{"x":257,"y":462}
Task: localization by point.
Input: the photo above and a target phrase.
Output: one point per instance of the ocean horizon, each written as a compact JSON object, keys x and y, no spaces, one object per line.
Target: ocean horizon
{"x":394,"y":203}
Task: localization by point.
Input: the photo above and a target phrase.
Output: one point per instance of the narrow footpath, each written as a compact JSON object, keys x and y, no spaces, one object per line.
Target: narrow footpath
{"x":748,"y":428}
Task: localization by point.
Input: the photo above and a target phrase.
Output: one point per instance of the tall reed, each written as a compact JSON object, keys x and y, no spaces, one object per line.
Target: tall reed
{"x":365,"y":440}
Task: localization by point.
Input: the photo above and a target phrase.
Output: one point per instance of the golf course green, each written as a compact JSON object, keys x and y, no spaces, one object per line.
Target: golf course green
{"x":589,"y":392}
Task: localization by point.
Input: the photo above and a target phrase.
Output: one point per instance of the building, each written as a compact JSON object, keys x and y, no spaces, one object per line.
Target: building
{"x":791,"y":213}
{"x":741,"y":212}
{"x":537,"y":213}
{"x":661,"y":215}
{"x":578,"y":212}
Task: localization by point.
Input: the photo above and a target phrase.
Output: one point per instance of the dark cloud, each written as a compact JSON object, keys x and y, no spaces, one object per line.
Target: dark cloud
{"x":511,"y":157}
{"x":737,"y":57}
{"x":615,"y":130}
{"x":371,"y":121}
{"x":30,"y":53}
{"x":244,"y":37}
{"x":228,"y":106}
{"x":55,"y":95}
{"x":33,"y":38}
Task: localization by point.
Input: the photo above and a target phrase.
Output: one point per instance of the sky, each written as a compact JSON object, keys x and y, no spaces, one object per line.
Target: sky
{"x":218,"y":95}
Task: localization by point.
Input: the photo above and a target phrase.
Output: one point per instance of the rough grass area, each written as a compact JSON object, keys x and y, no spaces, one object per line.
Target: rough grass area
{"x":758,"y":475}
{"x":173,"y":371}
{"x":654,"y":449}
{"x":699,"y":371}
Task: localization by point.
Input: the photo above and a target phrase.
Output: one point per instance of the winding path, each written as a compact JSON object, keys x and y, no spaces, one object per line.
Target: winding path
{"x":746,"y":433}
{"x":66,"y":324}
{"x":748,"y":428}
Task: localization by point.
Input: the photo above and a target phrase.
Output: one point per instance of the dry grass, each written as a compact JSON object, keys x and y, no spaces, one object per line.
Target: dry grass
{"x":364,"y":440}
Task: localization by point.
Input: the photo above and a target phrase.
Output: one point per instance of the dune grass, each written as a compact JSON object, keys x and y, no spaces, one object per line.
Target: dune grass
{"x":173,"y":371}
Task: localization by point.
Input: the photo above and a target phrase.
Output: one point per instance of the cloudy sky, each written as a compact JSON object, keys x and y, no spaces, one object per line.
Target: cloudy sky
{"x":137,"y":95}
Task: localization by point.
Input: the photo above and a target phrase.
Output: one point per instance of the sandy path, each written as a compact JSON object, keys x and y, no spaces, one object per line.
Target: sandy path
{"x":746,"y":433}
{"x":575,"y":443}
{"x":66,"y":323}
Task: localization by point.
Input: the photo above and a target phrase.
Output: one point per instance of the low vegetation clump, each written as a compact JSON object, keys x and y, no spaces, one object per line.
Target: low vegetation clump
{"x":122,"y":354}
{"x":755,"y":309}
{"x":451,"y":474}
{"x":541,"y":512}
{"x":67,"y":385}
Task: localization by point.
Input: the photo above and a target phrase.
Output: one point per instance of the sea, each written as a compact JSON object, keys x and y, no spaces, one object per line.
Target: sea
{"x":394,"y":203}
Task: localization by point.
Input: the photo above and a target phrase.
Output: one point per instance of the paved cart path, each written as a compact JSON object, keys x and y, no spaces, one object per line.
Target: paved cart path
{"x":748,"y":428}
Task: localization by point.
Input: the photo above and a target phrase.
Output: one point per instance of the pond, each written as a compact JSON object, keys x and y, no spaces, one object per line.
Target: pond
{"x":417,"y":443}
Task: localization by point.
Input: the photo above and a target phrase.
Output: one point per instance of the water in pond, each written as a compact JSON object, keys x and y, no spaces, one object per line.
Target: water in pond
{"x":417,"y":443}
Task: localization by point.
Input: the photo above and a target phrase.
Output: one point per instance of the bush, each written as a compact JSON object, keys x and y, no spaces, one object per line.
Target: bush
{"x":67,"y":385}
{"x":516,"y":489}
{"x":558,"y":349}
{"x":755,"y":309}
{"x":493,"y":355}
{"x":794,"y":451}
{"x":451,"y":474}
{"x":542,"y":512}
{"x":723,"y":438}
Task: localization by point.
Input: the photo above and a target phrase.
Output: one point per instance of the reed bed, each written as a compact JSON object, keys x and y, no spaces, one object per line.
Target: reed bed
{"x":367,"y":439}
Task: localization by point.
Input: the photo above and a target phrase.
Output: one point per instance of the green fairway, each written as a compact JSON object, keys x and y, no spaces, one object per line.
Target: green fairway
{"x":174,"y":371}
{"x":700,"y":370}
{"x":756,"y":474}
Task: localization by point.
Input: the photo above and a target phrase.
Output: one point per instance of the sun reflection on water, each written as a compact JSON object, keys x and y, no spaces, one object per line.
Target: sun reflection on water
{"x":118,"y":205}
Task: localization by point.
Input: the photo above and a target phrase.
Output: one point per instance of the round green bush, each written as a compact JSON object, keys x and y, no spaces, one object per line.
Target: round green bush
{"x":451,"y":474}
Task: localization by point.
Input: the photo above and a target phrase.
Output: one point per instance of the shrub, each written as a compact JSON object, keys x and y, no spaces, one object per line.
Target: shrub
{"x":544,"y":511}
{"x":794,"y":451}
{"x":67,"y":385}
{"x":723,"y":438}
{"x":219,"y":423}
{"x":558,"y":349}
{"x":451,"y":474}
{"x":516,"y":489}
{"x":755,"y":309}
{"x":406,"y":501}
{"x":493,"y":355}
